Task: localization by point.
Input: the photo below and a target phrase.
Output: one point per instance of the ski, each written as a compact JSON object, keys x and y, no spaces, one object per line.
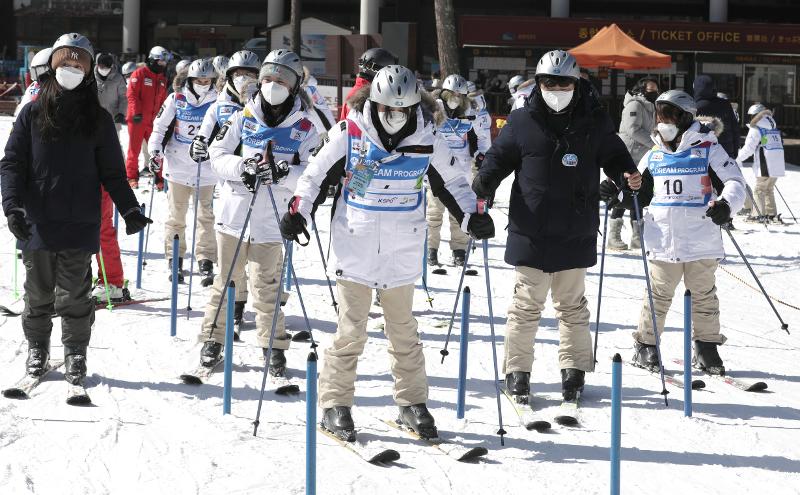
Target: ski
{"x":6,"y":311}
{"x":747,"y":386}
{"x":670,"y":377}
{"x":200,"y":374}
{"x":23,"y":388}
{"x":129,"y":302}
{"x":452,"y":448}
{"x":569,"y":412}
{"x":371,"y":451}
{"x":76,"y":395}
{"x":284,"y":386}
{"x":524,"y":410}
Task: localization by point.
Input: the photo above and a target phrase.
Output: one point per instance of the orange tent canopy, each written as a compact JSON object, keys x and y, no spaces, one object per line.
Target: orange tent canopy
{"x":614,"y":49}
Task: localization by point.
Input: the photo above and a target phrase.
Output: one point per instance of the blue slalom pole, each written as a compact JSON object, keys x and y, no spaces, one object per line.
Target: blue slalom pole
{"x":228,"y":370}
{"x":139,"y":256}
{"x":288,"y":282}
{"x":173,"y":309}
{"x":462,"y":357}
{"x":616,"y":421}
{"x":687,"y":353}
{"x":311,"y":424}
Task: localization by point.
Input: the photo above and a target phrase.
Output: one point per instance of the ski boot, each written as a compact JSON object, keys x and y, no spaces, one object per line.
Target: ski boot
{"x":519,"y":386}
{"x":377,"y":301}
{"x":180,"y":270}
{"x":744,"y":212}
{"x":459,"y":257}
{"x":74,"y":365}
{"x":707,"y":358}
{"x":418,"y":418}
{"x":206,"y":268}
{"x":776,"y":219}
{"x":277,"y":362}
{"x":238,"y":319}
{"x":337,"y":420}
{"x":433,"y":257}
{"x":646,"y":356}
{"x":615,"y":235}
{"x":210,"y":354}
{"x":572,"y":381}
{"x":38,"y":357}
{"x":636,"y":241}
{"x":116,"y":294}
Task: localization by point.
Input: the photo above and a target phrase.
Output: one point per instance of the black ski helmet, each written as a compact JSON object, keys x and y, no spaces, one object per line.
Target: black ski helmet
{"x":373,"y":60}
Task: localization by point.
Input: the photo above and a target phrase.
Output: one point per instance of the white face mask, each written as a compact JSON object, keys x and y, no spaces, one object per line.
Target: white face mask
{"x":244,"y":85}
{"x":69,"y":77}
{"x":668,"y":131}
{"x":557,"y":100}
{"x":393,"y":121}
{"x":274,"y":93}
{"x":104,"y":72}
{"x":201,"y":89}
{"x":453,"y":103}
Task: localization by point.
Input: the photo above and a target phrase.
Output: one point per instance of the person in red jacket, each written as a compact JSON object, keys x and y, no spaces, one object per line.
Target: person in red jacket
{"x":369,"y":64}
{"x":147,"y":90}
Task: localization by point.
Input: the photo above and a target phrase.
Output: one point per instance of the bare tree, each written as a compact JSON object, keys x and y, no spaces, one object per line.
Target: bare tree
{"x":295,"y":17}
{"x":446,"y":37}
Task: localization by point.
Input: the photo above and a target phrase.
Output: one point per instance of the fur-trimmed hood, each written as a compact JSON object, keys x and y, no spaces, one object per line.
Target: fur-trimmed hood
{"x":713,"y":124}
{"x":760,"y":115}
{"x":440,"y":115}
{"x":475,"y":94}
{"x":428,"y":103}
{"x":179,"y":80}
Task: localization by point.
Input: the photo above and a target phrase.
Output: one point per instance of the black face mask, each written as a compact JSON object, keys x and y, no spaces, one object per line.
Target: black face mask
{"x":651,"y":96}
{"x":155,"y":67}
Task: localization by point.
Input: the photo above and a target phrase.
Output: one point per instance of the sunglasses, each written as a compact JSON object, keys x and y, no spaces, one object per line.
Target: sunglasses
{"x":556,"y":81}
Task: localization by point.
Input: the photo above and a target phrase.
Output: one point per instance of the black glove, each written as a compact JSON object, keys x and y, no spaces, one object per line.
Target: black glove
{"x":137,"y":119}
{"x":609,"y":193}
{"x":119,"y":119}
{"x":135,"y":221}
{"x":480,"y":226}
{"x":268,"y":172}
{"x":720,"y":213}
{"x":199,"y":149}
{"x":479,"y":160}
{"x":293,"y":224}
{"x":18,"y":225}
{"x":483,"y":189}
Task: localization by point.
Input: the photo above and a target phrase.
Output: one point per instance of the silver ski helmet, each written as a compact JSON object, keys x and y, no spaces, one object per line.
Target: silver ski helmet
{"x":283,"y":64}
{"x":128,"y":68}
{"x":395,"y":86}
{"x":159,"y":53}
{"x":456,"y":84}
{"x":182,"y":65}
{"x":514,"y":83}
{"x":243,"y":59}
{"x":471,"y":88}
{"x":201,"y":68}
{"x":755,"y":109}
{"x":220,"y":64}
{"x":558,"y":63}
{"x":679,"y":99}
{"x":39,"y":63}
{"x":79,"y":46}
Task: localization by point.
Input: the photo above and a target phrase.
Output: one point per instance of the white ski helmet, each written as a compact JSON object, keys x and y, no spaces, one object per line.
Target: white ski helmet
{"x":159,"y":53}
{"x":471,"y":87}
{"x":456,"y":84}
{"x":128,"y":68}
{"x":679,"y":99}
{"x":285,"y":64}
{"x":220,"y":64}
{"x":395,"y":86}
{"x":558,"y":63}
{"x":182,"y":65}
{"x":39,"y":63}
{"x":201,"y":68}
{"x":755,"y":109}
{"x":243,"y":59}
{"x":514,"y":83}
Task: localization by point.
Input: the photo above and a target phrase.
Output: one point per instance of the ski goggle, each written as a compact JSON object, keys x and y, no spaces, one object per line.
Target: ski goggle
{"x":550,"y":82}
{"x":280,"y":73}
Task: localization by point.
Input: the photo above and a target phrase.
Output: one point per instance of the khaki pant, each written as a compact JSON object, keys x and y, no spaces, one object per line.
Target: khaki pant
{"x":698,"y":277}
{"x":435,"y":217}
{"x":765,"y":195}
{"x":264,"y":263}
{"x":337,"y":380}
{"x":530,"y":292}
{"x":178,"y":196}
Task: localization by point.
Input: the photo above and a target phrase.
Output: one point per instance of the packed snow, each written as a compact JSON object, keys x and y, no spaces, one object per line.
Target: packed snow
{"x":146,"y":432}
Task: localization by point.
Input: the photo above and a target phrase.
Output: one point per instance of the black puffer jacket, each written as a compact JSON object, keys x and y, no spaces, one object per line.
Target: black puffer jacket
{"x":553,"y":216}
{"x":708,"y":103}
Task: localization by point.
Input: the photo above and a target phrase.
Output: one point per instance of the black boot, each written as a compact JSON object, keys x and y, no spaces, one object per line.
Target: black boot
{"x":205,"y":267}
{"x":572,"y":381}
{"x":210,"y":354}
{"x":238,"y":318}
{"x":337,"y":420}
{"x":645,"y":356}
{"x":74,"y":365}
{"x":38,"y":356}
{"x":518,"y":384}
{"x":180,"y":270}
{"x":707,"y":358}
{"x":418,"y":418}
{"x":459,"y":256}
{"x":277,"y":362}
{"x":433,"y":257}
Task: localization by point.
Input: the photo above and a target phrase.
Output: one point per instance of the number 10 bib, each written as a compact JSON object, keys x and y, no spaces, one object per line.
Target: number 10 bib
{"x":681,"y":179}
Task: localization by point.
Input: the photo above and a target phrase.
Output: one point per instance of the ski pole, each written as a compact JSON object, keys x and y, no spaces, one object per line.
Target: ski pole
{"x":687,"y":353}
{"x":444,"y":352}
{"x":324,"y":265}
{"x":228,"y":367}
{"x":462,"y":359}
{"x":425,"y":270}
{"x":311,"y":424}
{"x":616,"y":421}
{"x":147,"y":234}
{"x":289,"y":250}
{"x":16,"y":261}
{"x":600,"y":289}
{"x":784,"y":202}
{"x":500,"y":431}
{"x":784,"y":325}
{"x":173,"y":311}
{"x":664,"y":390}
{"x":105,"y":280}
{"x":194,"y":239}
{"x":139,"y":259}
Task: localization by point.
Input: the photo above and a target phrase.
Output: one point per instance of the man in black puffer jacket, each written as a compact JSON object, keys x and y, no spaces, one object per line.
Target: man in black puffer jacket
{"x":711,"y":105}
{"x":556,"y":146}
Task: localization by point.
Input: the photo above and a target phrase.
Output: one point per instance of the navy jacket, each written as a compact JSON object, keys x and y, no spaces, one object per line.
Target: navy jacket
{"x":553,"y":214}
{"x":708,"y":103}
{"x":58,"y":182}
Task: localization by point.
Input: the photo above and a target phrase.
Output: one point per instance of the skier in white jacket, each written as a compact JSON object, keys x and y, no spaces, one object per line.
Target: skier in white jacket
{"x":274,"y":117}
{"x":690,"y":186}
{"x":378,"y":158}
{"x":765,"y":145}
{"x":40,"y":70}
{"x":482,"y":123}
{"x":320,"y":104}
{"x":176,"y":125}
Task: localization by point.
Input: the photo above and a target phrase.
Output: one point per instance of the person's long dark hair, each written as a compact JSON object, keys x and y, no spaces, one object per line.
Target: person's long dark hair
{"x":62,"y":112}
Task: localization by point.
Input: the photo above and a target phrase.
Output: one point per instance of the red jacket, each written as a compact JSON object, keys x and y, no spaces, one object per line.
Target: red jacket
{"x":146,"y":92}
{"x":360,"y":83}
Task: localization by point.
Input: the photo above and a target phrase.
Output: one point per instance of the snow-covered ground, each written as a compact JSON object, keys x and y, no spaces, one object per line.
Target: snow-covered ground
{"x":148,"y":433}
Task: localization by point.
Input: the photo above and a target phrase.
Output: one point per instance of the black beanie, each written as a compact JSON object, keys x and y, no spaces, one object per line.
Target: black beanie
{"x":105,"y":59}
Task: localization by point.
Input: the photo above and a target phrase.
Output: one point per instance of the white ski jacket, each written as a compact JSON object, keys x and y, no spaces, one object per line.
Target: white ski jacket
{"x":764,"y":144}
{"x":218,"y":113}
{"x":186,"y":112}
{"x":378,"y":238}
{"x":245,"y":135}
{"x":320,"y":104}
{"x":521,"y":95}
{"x":675,"y":226}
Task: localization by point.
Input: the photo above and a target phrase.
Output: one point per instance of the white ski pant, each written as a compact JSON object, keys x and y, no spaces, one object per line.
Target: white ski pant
{"x":338,"y":376}
{"x":264,"y":262}
{"x":435,"y":216}
{"x":698,"y":277}
{"x":764,"y":195}
{"x":178,"y":198}
{"x":530,"y":293}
